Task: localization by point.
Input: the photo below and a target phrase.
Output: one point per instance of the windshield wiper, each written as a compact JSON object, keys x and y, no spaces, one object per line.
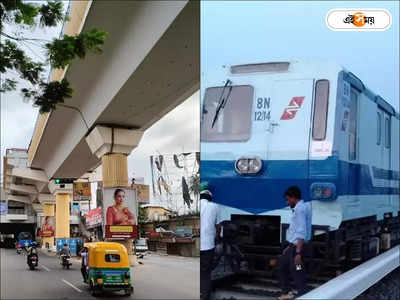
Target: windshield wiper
{"x":222,"y":101}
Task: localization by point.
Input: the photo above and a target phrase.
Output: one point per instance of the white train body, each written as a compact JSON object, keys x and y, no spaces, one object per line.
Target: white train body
{"x":309,"y":123}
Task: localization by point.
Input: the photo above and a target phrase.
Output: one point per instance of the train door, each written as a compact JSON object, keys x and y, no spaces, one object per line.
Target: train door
{"x":353,"y":207}
{"x":289,"y":126}
{"x":386,"y":154}
{"x":381,"y":172}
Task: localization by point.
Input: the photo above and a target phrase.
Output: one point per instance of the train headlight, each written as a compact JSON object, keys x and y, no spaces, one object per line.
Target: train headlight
{"x":323,"y":191}
{"x":248,"y":165}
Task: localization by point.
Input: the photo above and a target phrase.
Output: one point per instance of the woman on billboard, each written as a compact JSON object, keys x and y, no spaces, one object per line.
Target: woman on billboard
{"x":118,"y":214}
{"x":47,"y":229}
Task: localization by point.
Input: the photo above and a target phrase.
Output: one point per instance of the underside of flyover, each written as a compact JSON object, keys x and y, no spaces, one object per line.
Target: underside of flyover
{"x":150,"y":64}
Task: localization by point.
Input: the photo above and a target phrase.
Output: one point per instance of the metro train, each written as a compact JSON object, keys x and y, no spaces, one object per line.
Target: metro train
{"x":309,"y":123}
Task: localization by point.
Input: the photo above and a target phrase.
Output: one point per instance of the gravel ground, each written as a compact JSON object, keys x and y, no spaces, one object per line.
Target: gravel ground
{"x":386,"y":289}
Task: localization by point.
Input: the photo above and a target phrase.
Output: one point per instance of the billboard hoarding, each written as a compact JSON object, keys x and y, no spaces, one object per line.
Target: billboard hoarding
{"x":120,"y":213}
{"x":82,"y":191}
{"x":47,"y":227}
{"x":173,"y":181}
{"x":3,"y":208}
{"x":94,"y":217}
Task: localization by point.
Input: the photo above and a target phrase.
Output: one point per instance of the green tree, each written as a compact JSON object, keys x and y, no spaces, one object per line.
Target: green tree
{"x":17,"y":19}
{"x":142,"y":215}
{"x":194,"y":187}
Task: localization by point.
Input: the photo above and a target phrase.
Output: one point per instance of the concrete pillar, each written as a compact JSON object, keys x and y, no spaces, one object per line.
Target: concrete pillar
{"x":114,"y":169}
{"x":113,"y":145}
{"x":63,"y":194}
{"x":62,"y":216}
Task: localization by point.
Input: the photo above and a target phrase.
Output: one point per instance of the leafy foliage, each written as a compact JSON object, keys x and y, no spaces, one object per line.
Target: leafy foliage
{"x":51,"y":93}
{"x":61,"y":52}
{"x":23,"y":16}
{"x":142,"y":215}
{"x":194,"y":182}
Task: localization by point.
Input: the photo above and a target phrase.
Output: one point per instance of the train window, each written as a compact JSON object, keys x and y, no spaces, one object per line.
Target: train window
{"x":379,"y":128}
{"x":353,"y":125}
{"x":230,"y":122}
{"x":387,"y":132}
{"x":265,"y":67}
{"x":320,"y":109}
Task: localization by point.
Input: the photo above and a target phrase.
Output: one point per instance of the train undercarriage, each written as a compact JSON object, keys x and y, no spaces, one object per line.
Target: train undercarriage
{"x":250,"y":246}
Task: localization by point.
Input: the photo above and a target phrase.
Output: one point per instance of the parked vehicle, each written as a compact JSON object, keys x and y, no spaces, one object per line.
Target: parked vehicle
{"x":141,"y":245}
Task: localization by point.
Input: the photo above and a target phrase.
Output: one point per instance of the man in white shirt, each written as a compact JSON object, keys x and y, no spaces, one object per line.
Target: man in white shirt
{"x":84,"y":255}
{"x":297,"y":235}
{"x":209,"y":216}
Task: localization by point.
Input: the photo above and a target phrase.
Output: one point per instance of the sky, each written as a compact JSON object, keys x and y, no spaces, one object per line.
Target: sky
{"x":273,"y":30}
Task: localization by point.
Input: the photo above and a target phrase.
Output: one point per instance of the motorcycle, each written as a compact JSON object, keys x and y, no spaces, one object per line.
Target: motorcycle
{"x":32,"y":259}
{"x":19,"y":248}
{"x":65,"y":261}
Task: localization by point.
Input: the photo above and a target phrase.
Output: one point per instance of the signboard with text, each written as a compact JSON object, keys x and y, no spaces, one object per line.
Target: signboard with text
{"x":82,"y":191}
{"x":47,"y":227}
{"x":94,"y":217}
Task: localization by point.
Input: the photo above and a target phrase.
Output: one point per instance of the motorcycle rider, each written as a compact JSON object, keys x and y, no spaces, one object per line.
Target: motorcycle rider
{"x":31,"y":251}
{"x":65,"y":251}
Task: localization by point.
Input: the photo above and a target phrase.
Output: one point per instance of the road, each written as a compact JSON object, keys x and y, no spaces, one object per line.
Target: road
{"x":158,"y":277}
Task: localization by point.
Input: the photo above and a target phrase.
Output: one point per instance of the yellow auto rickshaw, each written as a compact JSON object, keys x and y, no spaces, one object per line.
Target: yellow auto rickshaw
{"x":108,"y":268}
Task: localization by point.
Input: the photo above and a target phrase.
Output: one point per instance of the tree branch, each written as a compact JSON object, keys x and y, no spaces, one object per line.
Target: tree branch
{"x":22,"y":39}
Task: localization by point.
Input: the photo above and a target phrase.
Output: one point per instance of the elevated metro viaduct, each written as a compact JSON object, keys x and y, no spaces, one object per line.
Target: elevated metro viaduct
{"x":149,"y":65}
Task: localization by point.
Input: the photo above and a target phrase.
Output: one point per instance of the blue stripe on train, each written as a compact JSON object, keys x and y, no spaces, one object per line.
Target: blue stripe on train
{"x":264,"y":191}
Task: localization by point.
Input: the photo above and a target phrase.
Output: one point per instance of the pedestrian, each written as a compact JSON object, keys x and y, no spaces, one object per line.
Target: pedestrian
{"x":84,"y":255}
{"x":297,"y":235}
{"x":209,"y":217}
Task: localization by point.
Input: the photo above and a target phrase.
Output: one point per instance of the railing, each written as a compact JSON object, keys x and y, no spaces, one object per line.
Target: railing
{"x":353,"y":283}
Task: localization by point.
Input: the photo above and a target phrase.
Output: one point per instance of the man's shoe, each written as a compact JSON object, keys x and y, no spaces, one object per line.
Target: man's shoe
{"x":288,"y":296}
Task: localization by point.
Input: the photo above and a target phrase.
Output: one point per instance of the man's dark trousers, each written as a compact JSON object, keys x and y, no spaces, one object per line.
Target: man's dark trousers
{"x":84,"y":272}
{"x":287,"y":266}
{"x":206,"y":262}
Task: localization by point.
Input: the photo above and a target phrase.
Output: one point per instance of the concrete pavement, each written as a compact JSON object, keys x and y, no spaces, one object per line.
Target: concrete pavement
{"x":158,"y":277}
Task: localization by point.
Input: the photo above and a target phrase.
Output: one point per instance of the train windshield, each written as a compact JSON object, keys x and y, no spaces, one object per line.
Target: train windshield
{"x":226,"y":115}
